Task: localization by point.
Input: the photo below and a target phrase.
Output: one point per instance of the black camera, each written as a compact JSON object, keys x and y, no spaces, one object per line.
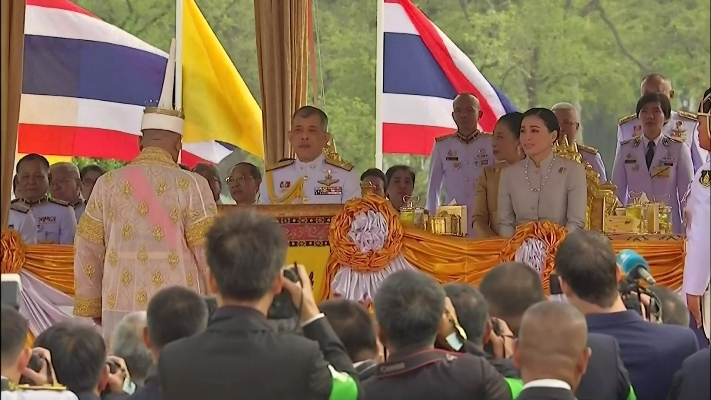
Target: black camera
{"x":10,"y":290}
{"x":283,"y":307}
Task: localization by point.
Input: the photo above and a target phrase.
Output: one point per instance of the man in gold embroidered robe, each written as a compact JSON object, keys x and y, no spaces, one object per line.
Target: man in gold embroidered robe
{"x":143,"y":227}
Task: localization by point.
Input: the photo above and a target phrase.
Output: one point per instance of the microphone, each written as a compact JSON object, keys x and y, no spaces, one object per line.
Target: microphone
{"x":634,"y":266}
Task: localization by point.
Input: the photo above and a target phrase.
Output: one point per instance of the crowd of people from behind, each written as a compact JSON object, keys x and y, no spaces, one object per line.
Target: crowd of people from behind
{"x":417,"y":340}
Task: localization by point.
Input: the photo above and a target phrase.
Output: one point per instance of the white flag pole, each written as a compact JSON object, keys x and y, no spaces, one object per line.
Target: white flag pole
{"x":379,"y":84}
{"x":179,"y":55}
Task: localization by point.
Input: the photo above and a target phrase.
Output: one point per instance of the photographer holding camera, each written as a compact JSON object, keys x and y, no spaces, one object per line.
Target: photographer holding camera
{"x":589,"y":276}
{"x":240,"y":355}
{"x":16,"y":358}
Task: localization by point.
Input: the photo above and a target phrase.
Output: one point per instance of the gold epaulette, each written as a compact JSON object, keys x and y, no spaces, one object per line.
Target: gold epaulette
{"x":587,"y":149}
{"x":667,"y":140}
{"x":339,"y":164}
{"x":16,"y":201}
{"x":688,"y":115}
{"x":54,"y":388}
{"x":57,"y":201}
{"x":19,"y":206}
{"x":445,"y":137}
{"x":279,"y":165}
{"x":629,"y":140}
{"x":627,"y":118}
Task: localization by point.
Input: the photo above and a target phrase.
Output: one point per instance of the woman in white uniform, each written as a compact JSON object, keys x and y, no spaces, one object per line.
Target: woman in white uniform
{"x":542,"y":186}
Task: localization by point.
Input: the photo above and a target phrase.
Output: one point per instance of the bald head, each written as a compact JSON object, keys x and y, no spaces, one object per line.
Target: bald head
{"x":656,"y":83}
{"x":162,"y":139}
{"x":466,"y":113}
{"x":552,"y":341}
{"x":64,"y":167}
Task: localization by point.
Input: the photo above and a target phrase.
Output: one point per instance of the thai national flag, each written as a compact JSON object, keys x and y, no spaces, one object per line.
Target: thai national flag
{"x":422,"y":72}
{"x":85,"y":84}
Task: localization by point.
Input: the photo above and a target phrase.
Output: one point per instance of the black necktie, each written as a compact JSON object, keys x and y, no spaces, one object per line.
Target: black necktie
{"x":649,"y":156}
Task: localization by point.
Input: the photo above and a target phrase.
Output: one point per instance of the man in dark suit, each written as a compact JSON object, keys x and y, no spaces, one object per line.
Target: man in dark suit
{"x":652,"y":353}
{"x":606,"y":376}
{"x":551,"y":351}
{"x":412,"y":312}
{"x":356,"y":329}
{"x":240,"y":355}
{"x":173,"y":313}
{"x":691,"y":382}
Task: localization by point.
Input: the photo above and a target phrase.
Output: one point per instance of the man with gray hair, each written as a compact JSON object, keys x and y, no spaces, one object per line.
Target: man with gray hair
{"x":127,"y":343}
{"x":569,"y":121}
{"x":65,"y":185}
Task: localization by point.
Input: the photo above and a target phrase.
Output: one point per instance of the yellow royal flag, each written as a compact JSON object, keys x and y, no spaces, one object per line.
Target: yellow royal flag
{"x":217,"y":103}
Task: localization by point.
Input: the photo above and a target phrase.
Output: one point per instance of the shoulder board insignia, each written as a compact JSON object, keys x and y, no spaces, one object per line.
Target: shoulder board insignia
{"x":20,"y":206}
{"x":705,"y":178}
{"x":628,"y":140}
{"x":587,"y":149}
{"x":16,"y":201}
{"x":486,"y":133}
{"x":279,"y":165}
{"x":57,"y":201}
{"x":339,"y":164}
{"x":54,"y":388}
{"x":688,"y":115}
{"x":668,"y":140}
{"x":445,"y":137}
{"x":627,"y":118}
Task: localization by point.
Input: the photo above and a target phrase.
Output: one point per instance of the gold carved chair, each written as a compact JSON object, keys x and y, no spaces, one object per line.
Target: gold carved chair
{"x":602,"y":199}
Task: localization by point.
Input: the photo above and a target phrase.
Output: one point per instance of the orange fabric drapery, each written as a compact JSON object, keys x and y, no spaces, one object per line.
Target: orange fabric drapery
{"x":12,"y":27}
{"x":282,"y":53}
{"x":452,"y":259}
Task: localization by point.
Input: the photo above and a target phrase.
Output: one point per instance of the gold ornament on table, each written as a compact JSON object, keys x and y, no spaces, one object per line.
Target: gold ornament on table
{"x":602,"y":199}
{"x":366,"y":188}
{"x":450,"y":220}
{"x":412,"y":215}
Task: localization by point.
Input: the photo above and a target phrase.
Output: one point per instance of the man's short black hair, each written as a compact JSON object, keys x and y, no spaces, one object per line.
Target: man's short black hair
{"x":78,"y":354}
{"x":13,"y":334}
{"x":245,"y":253}
{"x":307,"y":111}
{"x":353,"y":325}
{"x":409,"y":307}
{"x":586,"y":262}
{"x":33,"y":157}
{"x":674,"y":310}
{"x":174,"y":313}
{"x":649,"y":98}
{"x":374,"y":173}
{"x":472,"y":309}
{"x":90,"y":168}
{"x":511,"y":288}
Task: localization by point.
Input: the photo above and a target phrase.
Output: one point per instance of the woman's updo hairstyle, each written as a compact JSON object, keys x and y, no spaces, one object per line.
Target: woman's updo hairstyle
{"x":548,"y":117}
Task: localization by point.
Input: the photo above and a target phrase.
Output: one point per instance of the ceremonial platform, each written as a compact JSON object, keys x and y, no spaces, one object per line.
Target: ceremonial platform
{"x":328,"y":240}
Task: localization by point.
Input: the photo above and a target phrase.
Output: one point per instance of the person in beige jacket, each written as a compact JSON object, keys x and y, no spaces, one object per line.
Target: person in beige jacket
{"x":542,"y":186}
{"x":506,"y":149}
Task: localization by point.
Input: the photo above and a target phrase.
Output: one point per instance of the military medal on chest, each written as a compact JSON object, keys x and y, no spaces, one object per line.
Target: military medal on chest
{"x":679,"y":131}
{"x":328,"y":189}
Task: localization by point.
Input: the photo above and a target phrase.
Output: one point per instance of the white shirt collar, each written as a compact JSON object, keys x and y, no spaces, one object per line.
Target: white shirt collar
{"x":550,"y":383}
{"x":646,"y":141}
{"x":312,"y":164}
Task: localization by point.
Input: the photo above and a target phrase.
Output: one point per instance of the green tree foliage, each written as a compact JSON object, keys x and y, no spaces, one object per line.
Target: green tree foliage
{"x":588,"y":52}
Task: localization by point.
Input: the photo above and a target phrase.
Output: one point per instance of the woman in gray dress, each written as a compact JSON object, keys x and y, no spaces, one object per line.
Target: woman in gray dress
{"x":542,"y":186}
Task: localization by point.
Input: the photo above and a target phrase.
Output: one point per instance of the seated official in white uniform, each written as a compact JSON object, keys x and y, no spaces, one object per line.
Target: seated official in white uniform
{"x":312,"y":178}
{"x":542,"y":186}
{"x":22,"y":221}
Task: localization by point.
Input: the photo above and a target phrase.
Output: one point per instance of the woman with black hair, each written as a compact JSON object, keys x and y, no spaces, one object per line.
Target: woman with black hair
{"x":506,"y":148}
{"x":659,"y":166}
{"x":542,"y":186}
{"x":400,"y":181}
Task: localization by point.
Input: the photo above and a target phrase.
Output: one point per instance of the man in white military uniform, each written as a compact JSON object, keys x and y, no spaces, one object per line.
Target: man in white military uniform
{"x":56,"y":221}
{"x":681,"y":125}
{"x":569,"y":121}
{"x":458,"y":159}
{"x":312,"y":178}
{"x":697,"y":266}
{"x":22,"y":220}
{"x":65,"y":185}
